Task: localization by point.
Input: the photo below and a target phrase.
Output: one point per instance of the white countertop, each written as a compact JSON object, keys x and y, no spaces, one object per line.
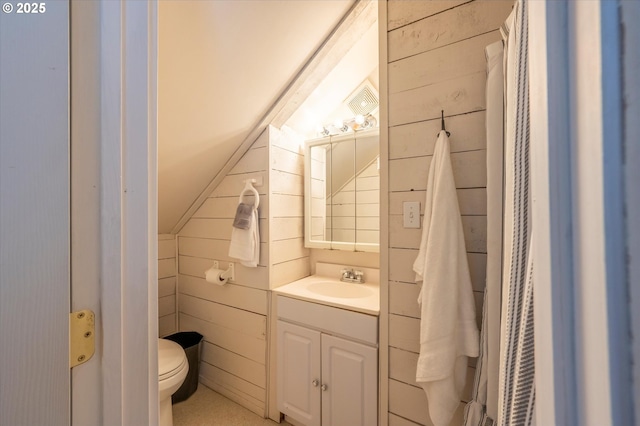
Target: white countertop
{"x":363,"y":298}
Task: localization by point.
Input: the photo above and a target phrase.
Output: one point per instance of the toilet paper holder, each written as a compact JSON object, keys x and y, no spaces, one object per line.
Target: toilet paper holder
{"x":230,"y":273}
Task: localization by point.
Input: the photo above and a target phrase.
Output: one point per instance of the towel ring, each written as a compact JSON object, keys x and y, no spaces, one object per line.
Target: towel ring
{"x":248,"y":187}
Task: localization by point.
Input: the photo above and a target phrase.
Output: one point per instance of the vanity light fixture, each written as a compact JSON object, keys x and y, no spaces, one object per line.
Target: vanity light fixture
{"x":357,"y":123}
{"x":323,"y":131}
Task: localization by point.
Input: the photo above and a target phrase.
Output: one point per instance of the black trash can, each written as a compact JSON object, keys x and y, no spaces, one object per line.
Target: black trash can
{"x":191,"y":342}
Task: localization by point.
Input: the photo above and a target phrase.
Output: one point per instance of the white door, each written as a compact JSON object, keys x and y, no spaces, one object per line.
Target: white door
{"x":34,"y":214}
{"x":349,"y":383}
{"x":299,"y":373}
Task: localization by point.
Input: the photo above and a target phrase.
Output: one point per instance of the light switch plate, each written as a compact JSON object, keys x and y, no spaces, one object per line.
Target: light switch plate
{"x":411,"y":214}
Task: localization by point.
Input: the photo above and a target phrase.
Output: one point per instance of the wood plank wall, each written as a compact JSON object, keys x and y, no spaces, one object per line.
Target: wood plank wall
{"x":232,"y":318}
{"x":436,"y":61}
{"x":166,"y":284}
{"x":289,"y":258}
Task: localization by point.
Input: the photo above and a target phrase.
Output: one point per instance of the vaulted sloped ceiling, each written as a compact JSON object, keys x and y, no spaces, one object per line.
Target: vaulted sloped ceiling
{"x":222,"y":64}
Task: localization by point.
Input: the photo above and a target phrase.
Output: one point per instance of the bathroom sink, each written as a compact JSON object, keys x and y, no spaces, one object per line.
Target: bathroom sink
{"x":339,"y":289}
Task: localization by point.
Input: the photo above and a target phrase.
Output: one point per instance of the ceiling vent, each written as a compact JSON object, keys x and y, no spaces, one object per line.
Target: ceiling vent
{"x":364,"y":100}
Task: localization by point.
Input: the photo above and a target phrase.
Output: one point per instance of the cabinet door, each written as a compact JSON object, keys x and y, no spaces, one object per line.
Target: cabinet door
{"x":299,"y":373}
{"x":350,"y":383}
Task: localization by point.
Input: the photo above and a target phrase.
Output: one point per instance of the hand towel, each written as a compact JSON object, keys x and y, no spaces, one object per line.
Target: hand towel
{"x":448,"y":330}
{"x":245,"y":243}
{"x":243,"y":216}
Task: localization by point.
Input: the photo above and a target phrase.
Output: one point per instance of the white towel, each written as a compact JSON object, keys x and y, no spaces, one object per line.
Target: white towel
{"x":245,"y":243}
{"x":448,"y":330}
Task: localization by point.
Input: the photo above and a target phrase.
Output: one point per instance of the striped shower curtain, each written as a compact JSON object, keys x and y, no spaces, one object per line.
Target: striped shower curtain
{"x":508,"y":340}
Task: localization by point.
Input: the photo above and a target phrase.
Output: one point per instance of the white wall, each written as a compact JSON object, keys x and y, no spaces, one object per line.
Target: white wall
{"x":436,"y":61}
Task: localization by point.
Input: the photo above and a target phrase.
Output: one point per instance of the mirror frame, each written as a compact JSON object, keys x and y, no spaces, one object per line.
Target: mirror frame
{"x":328,"y":244}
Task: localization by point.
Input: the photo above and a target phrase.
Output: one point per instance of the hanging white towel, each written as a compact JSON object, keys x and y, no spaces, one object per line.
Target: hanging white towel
{"x":245,"y":243}
{"x":448,"y":330}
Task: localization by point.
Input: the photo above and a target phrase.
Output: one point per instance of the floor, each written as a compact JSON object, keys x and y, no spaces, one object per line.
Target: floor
{"x":206,"y":407}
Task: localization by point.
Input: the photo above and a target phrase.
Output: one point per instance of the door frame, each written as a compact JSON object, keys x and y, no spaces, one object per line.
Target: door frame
{"x":119,"y":385}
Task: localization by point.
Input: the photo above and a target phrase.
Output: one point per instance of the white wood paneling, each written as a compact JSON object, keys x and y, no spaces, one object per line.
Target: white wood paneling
{"x":286,"y":205}
{"x":404,"y":12}
{"x":166,"y":268}
{"x":286,"y":228}
{"x":238,"y":320}
{"x":232,"y":318}
{"x":436,"y":62}
{"x":219,"y":229}
{"x":456,"y":24}
{"x":404,"y":333}
{"x":472,"y":201}
{"x":403,"y":369}
{"x":287,"y":161}
{"x":456,"y":96}
{"x":284,"y":250}
{"x":409,"y":402}
{"x":242,"y":367}
{"x":287,"y":183}
{"x":399,"y":421}
{"x":166,"y":247}
{"x":230,"y":381}
{"x":249,"y":299}
{"x":452,"y":61}
{"x":403,"y":299}
{"x":244,"y":345}
{"x":251,"y":162}
{"x":207,"y":248}
{"x":167,"y":325}
{"x":474,"y":229}
{"x":166,"y":286}
{"x":166,"y":305}
{"x":250,"y":277}
{"x":232,"y":185}
{"x":410,"y":174}
{"x":418,"y":139}
{"x":225,"y":207}
{"x":289,"y":271}
{"x":236,"y":389}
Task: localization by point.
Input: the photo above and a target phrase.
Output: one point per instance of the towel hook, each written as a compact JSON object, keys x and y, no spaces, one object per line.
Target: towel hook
{"x":248,"y":187}
{"x":442,"y":118}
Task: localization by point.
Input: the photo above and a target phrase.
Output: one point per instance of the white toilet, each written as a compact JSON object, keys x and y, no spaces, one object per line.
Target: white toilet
{"x":172,"y":370}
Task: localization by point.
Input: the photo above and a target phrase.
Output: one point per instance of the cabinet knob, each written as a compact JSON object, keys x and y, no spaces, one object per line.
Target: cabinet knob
{"x":323,"y":387}
{"x":315,"y":383}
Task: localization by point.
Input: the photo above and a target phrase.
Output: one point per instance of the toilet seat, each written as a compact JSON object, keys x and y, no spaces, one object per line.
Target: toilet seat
{"x":171,"y":359}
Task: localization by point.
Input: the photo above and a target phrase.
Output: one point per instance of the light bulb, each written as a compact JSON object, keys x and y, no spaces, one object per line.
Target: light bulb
{"x":338,"y":124}
{"x":359,"y":119}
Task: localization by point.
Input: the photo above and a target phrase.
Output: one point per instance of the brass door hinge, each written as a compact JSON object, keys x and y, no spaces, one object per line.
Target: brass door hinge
{"x":82,"y":337}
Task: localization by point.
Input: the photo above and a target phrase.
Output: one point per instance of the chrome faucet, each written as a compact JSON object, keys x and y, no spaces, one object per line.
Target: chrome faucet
{"x":351,"y":276}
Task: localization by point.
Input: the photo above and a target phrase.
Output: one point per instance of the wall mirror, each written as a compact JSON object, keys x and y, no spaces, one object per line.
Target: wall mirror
{"x":342,"y":192}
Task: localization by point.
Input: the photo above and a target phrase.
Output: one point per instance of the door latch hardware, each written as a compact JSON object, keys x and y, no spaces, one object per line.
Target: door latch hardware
{"x":82,"y":337}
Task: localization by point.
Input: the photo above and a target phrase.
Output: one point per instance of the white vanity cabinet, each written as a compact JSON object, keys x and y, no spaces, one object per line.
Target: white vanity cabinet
{"x":325,"y":377}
